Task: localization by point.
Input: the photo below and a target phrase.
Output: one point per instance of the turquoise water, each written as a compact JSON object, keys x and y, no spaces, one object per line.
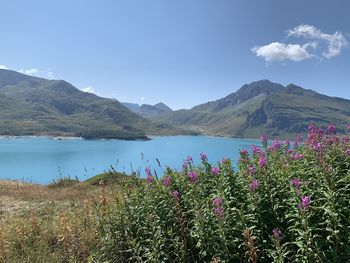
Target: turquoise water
{"x":40,"y":160}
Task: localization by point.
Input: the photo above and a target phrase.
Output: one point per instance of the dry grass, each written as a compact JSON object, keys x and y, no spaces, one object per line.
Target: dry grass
{"x":51,"y":223}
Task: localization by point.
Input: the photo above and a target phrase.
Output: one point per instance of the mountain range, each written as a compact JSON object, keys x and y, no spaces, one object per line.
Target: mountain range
{"x":146,"y":110}
{"x":263,"y":107}
{"x":37,"y":106}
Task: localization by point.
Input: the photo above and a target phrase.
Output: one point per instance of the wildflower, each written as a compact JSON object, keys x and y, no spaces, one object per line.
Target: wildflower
{"x":347,"y":152}
{"x":295,"y":182}
{"x":296,"y":144}
{"x":277,"y":234}
{"x":256,"y":150}
{"x":348,"y":127}
{"x":262,"y":161}
{"x":318,"y":147}
{"x":253,"y":186}
{"x":149,"y":179}
{"x":215,"y":170}
{"x":166,"y":181}
{"x":243,"y":152}
{"x":184,"y":166}
{"x":217,"y":201}
{"x":298,"y":156}
{"x":148,"y":171}
{"x":251,"y":169}
{"x":331,"y":129}
{"x":219,"y":211}
{"x":345,"y":140}
{"x":276,"y":144}
{"x":203,"y":156}
{"x":176,"y":195}
{"x":305,"y":202}
{"x":263,"y":139}
{"x":193,"y":176}
{"x":189,"y":160}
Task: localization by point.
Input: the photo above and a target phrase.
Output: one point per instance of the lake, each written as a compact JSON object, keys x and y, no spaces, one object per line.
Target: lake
{"x":41,"y":159}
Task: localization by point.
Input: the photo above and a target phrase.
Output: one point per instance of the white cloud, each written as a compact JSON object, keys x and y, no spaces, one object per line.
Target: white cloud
{"x":336,"y":42}
{"x":89,"y":89}
{"x":314,"y":41}
{"x":31,"y":71}
{"x":279,"y":51}
{"x":3,"y":67}
{"x":142,"y":99}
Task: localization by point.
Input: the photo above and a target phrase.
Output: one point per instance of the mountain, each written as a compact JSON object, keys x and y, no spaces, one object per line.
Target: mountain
{"x":147,"y":110}
{"x":263,"y":107}
{"x":36,"y":106}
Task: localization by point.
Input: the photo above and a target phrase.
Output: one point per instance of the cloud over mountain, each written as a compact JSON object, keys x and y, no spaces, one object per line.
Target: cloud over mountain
{"x":313,"y":43}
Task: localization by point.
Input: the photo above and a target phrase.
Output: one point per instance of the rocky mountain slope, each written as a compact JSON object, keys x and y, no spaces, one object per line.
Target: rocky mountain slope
{"x":263,"y":107}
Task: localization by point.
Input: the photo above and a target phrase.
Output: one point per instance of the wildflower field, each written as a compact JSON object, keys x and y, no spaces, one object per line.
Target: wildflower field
{"x":282,"y":202}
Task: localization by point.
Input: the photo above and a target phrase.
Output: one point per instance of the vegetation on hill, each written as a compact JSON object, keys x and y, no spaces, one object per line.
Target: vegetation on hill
{"x":148,"y":111}
{"x":262,"y":107}
{"x":36,"y":106}
{"x":284,"y":202}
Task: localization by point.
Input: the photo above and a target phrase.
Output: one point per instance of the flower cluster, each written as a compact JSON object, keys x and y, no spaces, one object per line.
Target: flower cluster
{"x":218,"y":207}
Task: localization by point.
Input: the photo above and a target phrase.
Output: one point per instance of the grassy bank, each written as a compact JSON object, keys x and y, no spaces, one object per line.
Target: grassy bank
{"x":56,"y":222}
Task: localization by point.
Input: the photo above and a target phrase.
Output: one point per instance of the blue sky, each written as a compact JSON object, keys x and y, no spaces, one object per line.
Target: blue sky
{"x":181,"y":52}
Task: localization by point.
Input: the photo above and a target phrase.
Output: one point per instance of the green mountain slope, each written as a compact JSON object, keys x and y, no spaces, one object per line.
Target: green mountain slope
{"x":148,"y":111}
{"x":263,"y":107}
{"x":36,"y":106}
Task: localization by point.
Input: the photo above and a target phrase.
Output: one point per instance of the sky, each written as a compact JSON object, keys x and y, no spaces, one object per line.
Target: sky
{"x":180,"y":52}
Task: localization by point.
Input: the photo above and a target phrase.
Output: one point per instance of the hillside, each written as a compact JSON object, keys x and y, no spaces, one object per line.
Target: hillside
{"x":263,"y":107}
{"x":36,"y":106}
{"x":148,"y":111}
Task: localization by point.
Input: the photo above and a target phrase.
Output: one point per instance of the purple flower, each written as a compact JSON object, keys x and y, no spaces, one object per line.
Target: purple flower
{"x":189,"y":160}
{"x":217,"y":201}
{"x":176,"y":195}
{"x":298,"y":156}
{"x":203,"y":156}
{"x":347,"y":152}
{"x":318,"y":147}
{"x":166,"y":181}
{"x":193,"y":176}
{"x":277,"y":234}
{"x":262,"y":161}
{"x":243,"y":152}
{"x":215,"y":170}
{"x":148,"y":171}
{"x":263,"y":139}
{"x":251,"y":169}
{"x":254,"y":184}
{"x":305,"y":202}
{"x":345,"y":140}
{"x":295,"y":182}
{"x":296,"y":144}
{"x":149,"y":179}
{"x":348,"y":127}
{"x":331,"y":129}
{"x":219,"y":211}
{"x":256,"y":150}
